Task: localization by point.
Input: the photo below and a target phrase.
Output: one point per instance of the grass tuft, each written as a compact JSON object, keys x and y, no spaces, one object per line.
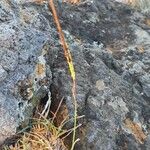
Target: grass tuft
{"x":44,"y":135}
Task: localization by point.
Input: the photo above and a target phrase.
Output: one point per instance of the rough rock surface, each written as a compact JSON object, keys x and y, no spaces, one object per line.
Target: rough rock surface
{"x":110,"y":45}
{"x":23,"y":68}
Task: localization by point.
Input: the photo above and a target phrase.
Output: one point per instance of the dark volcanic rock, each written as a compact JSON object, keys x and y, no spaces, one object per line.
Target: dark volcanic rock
{"x":98,"y":22}
{"x":110,"y":45}
{"x":110,"y":53}
{"x":22,"y":66}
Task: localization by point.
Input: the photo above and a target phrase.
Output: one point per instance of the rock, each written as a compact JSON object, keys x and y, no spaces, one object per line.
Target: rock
{"x":25,"y":76}
{"x":3,"y":74}
{"x":142,"y":5}
{"x":9,"y":60}
{"x":110,"y":59}
{"x":145,"y":83}
{"x":110,"y":45}
{"x":8,"y":115}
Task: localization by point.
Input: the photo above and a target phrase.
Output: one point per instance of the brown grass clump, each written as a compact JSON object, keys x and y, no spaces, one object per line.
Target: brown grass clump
{"x":44,"y":135}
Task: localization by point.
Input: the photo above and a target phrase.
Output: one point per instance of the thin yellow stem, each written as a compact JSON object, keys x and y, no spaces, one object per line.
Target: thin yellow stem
{"x":70,"y":65}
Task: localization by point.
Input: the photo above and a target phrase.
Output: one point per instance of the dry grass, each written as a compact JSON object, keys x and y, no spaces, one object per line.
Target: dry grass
{"x":44,"y":135}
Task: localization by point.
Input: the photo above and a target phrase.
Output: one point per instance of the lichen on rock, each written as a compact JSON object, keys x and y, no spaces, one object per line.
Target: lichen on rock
{"x":109,"y":43}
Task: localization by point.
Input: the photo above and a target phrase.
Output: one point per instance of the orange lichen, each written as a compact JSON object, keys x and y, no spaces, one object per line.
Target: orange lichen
{"x":38,"y":1}
{"x":72,"y":1}
{"x":40,"y":69}
{"x":136,"y":130}
{"x":69,"y":1}
{"x":147,"y":22}
{"x":131,"y":1}
{"x":140,"y":49}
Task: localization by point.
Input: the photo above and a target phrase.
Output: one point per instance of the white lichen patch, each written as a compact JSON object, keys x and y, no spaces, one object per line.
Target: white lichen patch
{"x":143,"y":5}
{"x":8,"y":121}
{"x":142,"y":36}
{"x":9,"y":60}
{"x":119,"y":106}
{"x":100,"y":85}
{"x":3,"y":73}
